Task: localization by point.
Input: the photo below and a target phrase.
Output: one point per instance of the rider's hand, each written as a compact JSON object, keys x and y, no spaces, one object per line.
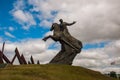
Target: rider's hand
{"x":74,"y":22}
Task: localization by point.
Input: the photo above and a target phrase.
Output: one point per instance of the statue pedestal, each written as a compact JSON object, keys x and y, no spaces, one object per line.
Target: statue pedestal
{"x":65,"y":56}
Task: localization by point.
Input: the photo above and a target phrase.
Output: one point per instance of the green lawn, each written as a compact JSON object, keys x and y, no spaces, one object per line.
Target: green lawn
{"x":49,"y":72}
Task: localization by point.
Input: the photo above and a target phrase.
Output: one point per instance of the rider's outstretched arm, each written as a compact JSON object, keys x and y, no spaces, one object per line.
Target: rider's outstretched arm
{"x":69,"y":24}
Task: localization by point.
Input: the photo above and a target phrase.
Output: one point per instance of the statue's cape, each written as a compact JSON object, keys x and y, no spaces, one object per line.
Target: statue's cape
{"x":72,"y":41}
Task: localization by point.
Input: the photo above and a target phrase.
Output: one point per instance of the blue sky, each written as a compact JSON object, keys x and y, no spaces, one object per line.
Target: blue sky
{"x":10,"y":25}
{"x":12,"y":30}
{"x":20,"y":20}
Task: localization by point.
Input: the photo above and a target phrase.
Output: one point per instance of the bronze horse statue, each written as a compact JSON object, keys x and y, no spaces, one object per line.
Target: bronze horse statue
{"x":64,"y":38}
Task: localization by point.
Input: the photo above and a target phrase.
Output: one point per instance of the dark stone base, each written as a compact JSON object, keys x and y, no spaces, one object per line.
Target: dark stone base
{"x":65,"y":56}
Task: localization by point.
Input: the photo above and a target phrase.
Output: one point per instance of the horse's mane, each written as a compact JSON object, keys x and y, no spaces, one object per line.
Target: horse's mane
{"x":55,"y":24}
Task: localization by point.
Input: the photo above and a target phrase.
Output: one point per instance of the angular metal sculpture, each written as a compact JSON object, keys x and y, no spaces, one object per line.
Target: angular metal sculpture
{"x":18,"y":56}
{"x":2,"y":56}
{"x":32,"y":60}
{"x":29,"y":62}
{"x":38,"y":62}
{"x":23,"y":59}
{"x":3,"y":47}
{"x":6,"y":59}
{"x":70,"y":46}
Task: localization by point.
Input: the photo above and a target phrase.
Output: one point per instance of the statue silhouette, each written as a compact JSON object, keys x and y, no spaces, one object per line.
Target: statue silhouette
{"x":69,"y":45}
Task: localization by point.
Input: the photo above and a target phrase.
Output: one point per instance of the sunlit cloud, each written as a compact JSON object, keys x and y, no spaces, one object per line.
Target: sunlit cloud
{"x":9,"y":34}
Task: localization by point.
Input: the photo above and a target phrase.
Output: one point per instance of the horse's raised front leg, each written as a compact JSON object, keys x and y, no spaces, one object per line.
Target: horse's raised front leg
{"x":45,"y":38}
{"x":50,"y":36}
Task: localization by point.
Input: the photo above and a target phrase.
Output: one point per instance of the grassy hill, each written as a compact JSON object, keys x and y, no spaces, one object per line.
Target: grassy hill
{"x":49,"y":72}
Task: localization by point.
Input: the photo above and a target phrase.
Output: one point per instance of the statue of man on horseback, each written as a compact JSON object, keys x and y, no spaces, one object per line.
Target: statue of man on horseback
{"x":61,"y":33}
{"x":69,"y":44}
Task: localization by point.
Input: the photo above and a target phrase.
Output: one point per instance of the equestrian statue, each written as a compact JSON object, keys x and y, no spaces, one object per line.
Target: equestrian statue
{"x":70,"y":46}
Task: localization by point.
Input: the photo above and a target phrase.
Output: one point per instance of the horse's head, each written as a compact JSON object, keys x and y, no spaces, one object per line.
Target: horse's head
{"x":54,"y":25}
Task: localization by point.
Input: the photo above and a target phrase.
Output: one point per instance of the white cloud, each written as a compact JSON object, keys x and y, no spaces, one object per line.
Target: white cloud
{"x":1,"y":39}
{"x":11,"y":28}
{"x":19,"y":4}
{"x":9,"y":34}
{"x":19,"y":14}
{"x":31,"y":46}
{"x":94,"y":18}
{"x":49,"y":33}
{"x":42,"y":6}
{"x":100,"y":59}
{"x":45,"y":23}
{"x":46,"y":56}
{"x":24,"y":18}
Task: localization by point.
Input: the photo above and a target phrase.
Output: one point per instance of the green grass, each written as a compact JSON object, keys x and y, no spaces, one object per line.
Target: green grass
{"x":3,"y":65}
{"x":49,"y":72}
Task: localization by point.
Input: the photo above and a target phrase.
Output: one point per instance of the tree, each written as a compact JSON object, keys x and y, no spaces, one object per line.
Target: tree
{"x":113,"y":74}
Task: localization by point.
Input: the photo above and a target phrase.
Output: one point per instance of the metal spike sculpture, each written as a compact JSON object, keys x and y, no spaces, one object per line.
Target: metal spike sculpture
{"x":38,"y":62}
{"x":29,"y":62}
{"x":6,"y":59}
{"x":32,"y":60}
{"x":2,"y":56}
{"x":1,"y":60}
{"x":18,"y":56}
{"x":3,"y":47}
{"x":1,"y":53}
{"x":21,"y":58}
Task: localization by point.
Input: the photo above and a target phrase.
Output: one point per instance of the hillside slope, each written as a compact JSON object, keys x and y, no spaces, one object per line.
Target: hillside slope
{"x":49,"y":72}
